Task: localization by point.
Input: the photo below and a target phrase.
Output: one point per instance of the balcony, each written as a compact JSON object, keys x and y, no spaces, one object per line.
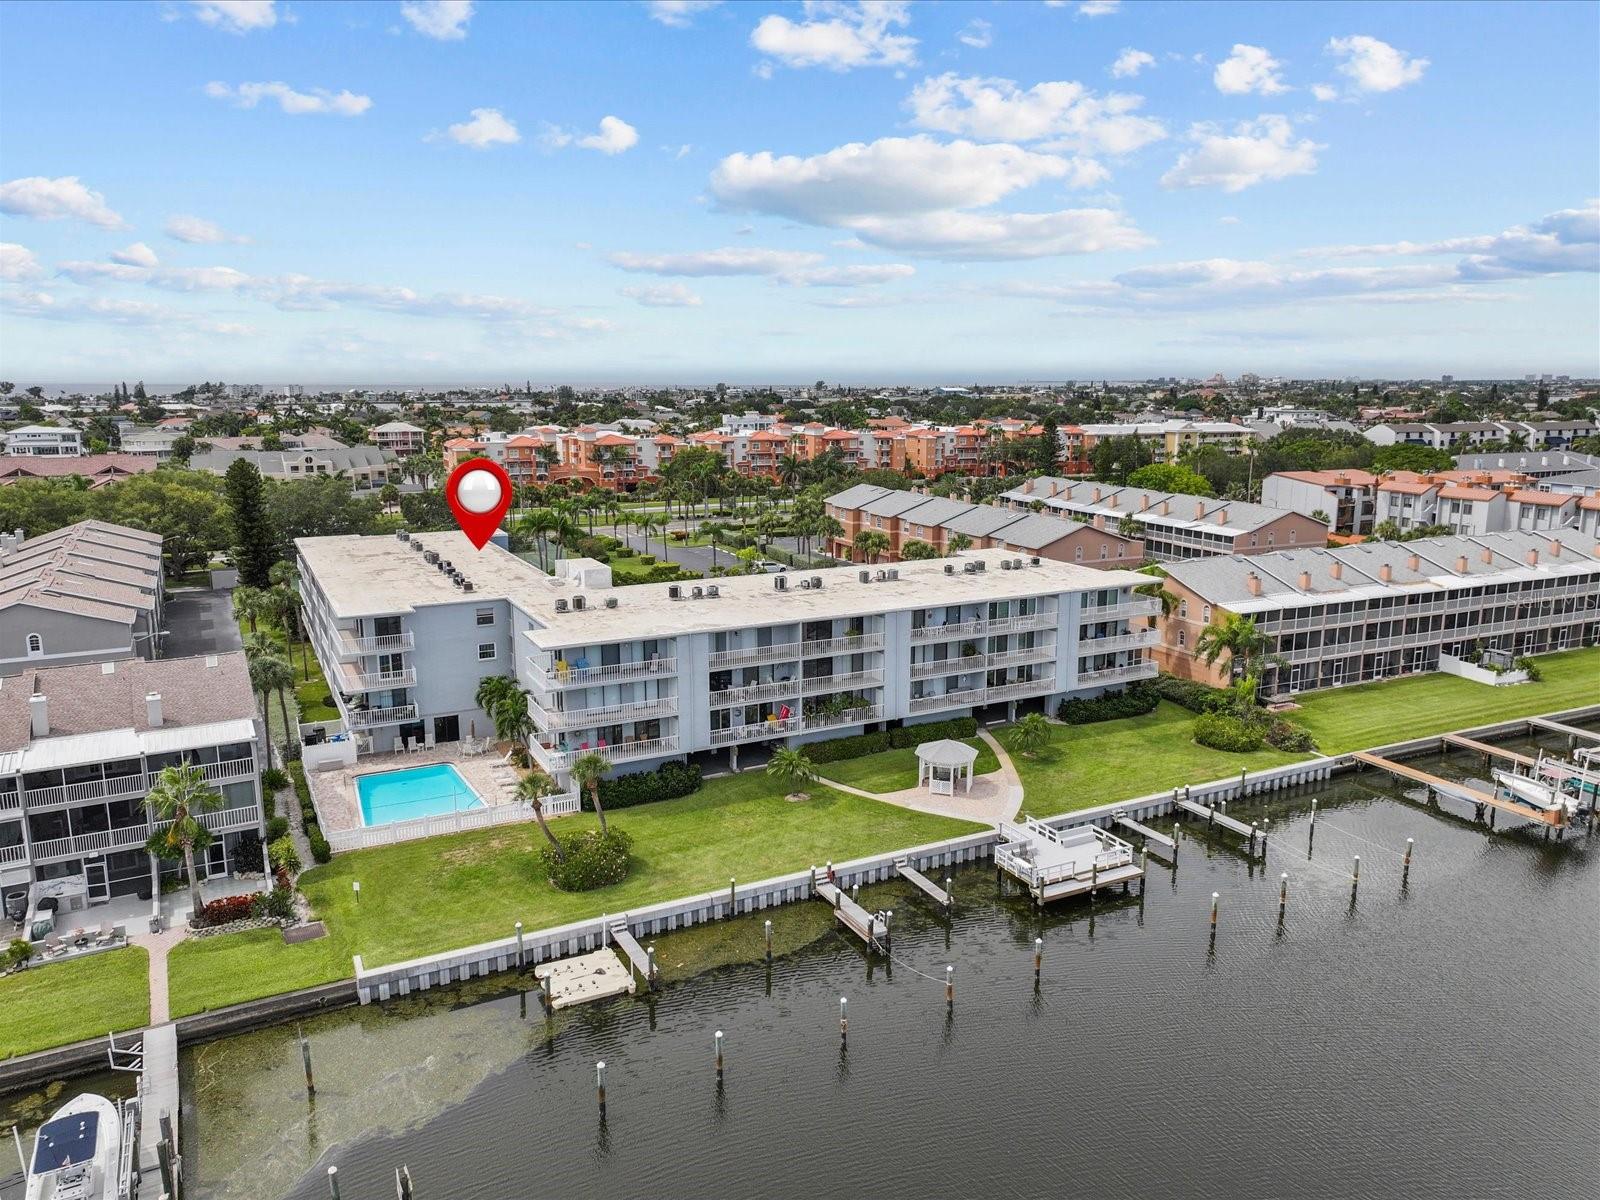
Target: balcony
{"x":554,"y":677}
{"x":850,"y":644}
{"x":1023,"y":623}
{"x":817,"y":684}
{"x":755,"y":692}
{"x":123,"y":786}
{"x":1137,"y":640}
{"x":105,"y":841}
{"x":1022,"y":687}
{"x":353,"y":682}
{"x":750,"y":655}
{"x":13,"y":854}
{"x":351,"y":646}
{"x":610,"y":714}
{"x":939,"y":667}
{"x":1144,"y":606}
{"x":854,"y":716}
{"x":962,"y":699}
{"x":1018,"y":658}
{"x":1139,"y":670}
{"x":372,"y":718}
{"x":751,"y":732}
{"x":944,"y":633}
{"x":560,"y":760}
{"x":10,"y":801}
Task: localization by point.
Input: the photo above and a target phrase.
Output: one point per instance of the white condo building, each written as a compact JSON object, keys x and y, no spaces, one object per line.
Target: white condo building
{"x":408,"y":626}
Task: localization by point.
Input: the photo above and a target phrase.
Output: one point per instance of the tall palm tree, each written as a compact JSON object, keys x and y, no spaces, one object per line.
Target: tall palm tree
{"x":711,"y":531}
{"x":1238,"y":638}
{"x":533,"y":788}
{"x":958,"y":543}
{"x":587,"y":773}
{"x":178,"y":795}
{"x":249,"y":605}
{"x":791,"y":765}
{"x":790,"y":469}
{"x":271,"y":673}
{"x":870,"y":543}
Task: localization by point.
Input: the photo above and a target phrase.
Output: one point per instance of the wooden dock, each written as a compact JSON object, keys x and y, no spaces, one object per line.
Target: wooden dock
{"x":158,"y":1095}
{"x":1216,"y":817}
{"x":1572,"y":731}
{"x":1484,"y":748}
{"x":1451,"y":788}
{"x":1055,"y":864}
{"x":904,"y":869}
{"x":637,"y":958}
{"x":868,"y":927}
{"x":1151,"y":837}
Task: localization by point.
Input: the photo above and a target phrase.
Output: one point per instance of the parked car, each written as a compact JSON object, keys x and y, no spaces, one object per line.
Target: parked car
{"x":767,"y":565}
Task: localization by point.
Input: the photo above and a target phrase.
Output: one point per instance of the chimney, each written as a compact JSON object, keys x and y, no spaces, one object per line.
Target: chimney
{"x":1413,"y":563}
{"x":1305,"y":581}
{"x":1533,"y":558}
{"x":1555,"y":547}
{"x":1112,"y":500}
{"x":1342,"y":480}
{"x":1461,"y":565}
{"x":1099,"y":520}
{"x":1253,"y":582}
{"x":152,"y":709}
{"x":1199,"y":509}
{"x":1028,"y":487}
{"x":1144,"y":503}
{"x":1386,"y":573}
{"x":1486,"y":554}
{"x":1223,"y":516}
{"x":1052,"y":491}
{"x":1336,"y":569}
{"x":1165,"y":508}
{"x":39,"y":715}
{"x":1095,"y":499}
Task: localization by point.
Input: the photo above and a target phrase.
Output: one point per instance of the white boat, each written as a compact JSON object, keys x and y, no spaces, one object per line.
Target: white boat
{"x":1534,"y":793}
{"x":77,"y":1154}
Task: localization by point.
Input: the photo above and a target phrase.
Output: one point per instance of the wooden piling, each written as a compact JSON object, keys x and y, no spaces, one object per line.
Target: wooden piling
{"x":402,"y":1183}
{"x":305,"y":1058}
{"x":1355,"y":878}
{"x":844,"y":1023}
{"x":1038,"y":956}
{"x":949,"y":893}
{"x":950,"y":987}
{"x":650,"y":961}
{"x":1405,"y":866}
{"x":768,"y":930}
{"x":333,"y":1182}
{"x":522,"y":960}
{"x":600,"y":1086}
{"x":719,"y":1055}
{"x":1253,"y":832}
{"x":1283,"y":896}
{"x":733,"y":896}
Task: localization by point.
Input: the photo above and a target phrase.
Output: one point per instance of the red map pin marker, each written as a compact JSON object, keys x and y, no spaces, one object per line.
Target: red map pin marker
{"x":479,"y":492}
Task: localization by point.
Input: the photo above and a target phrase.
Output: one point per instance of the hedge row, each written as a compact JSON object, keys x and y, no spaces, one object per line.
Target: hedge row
{"x":1185,"y":693}
{"x":862,"y":744}
{"x":1223,"y":732}
{"x":667,"y":782}
{"x":320,"y":850}
{"x":1134,"y":701}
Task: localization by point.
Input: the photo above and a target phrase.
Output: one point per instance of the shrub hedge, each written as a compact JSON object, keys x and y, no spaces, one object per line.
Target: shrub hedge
{"x":1227,"y":733}
{"x":277,"y":827}
{"x":1185,"y":693}
{"x":666,"y":782}
{"x":320,"y":850}
{"x":1287,"y":736}
{"x":1134,"y":701}
{"x":861,"y":744}
{"x":590,"y":859}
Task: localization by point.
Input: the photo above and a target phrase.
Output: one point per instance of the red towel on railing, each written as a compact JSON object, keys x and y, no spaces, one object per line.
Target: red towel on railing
{"x":783,"y":713}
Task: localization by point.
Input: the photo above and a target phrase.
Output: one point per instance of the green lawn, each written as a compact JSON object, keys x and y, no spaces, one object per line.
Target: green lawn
{"x":441,"y":893}
{"x":1085,"y":765}
{"x":55,"y":1003}
{"x":895,"y":770}
{"x":1354,"y":718}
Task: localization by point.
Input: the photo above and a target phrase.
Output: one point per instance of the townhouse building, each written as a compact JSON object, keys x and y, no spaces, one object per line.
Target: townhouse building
{"x":96,"y":470}
{"x":1168,"y":440}
{"x":1463,"y":435}
{"x":366,"y":467}
{"x":1350,"y":614}
{"x":81,"y":747}
{"x":1170,"y":525}
{"x":1474,"y":502}
{"x":1347,"y":498}
{"x":914,"y":516}
{"x":43,"y":441}
{"x":1535,"y":464}
{"x":399,"y":438}
{"x":407,"y":626}
{"x":88,"y":592}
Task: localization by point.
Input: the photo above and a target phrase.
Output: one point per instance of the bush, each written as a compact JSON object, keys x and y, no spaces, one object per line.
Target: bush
{"x":1289,"y":737}
{"x":277,"y":827}
{"x":1134,"y":701}
{"x":320,"y":850}
{"x":274,"y":780}
{"x":228,"y":908}
{"x":247,"y":851}
{"x":17,"y":953}
{"x":858,"y":745}
{"x":277,"y":904}
{"x":667,"y":782}
{"x":1196,"y":697}
{"x":955,"y":729}
{"x":302,"y":793}
{"x":647,"y":560}
{"x":840,"y":749}
{"x":1531,"y":667}
{"x":1219,"y":731}
{"x":624,"y":552}
{"x":592,"y":860}
{"x":283,"y":856}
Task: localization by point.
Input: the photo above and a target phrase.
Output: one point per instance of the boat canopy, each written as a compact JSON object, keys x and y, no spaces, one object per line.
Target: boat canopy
{"x":66,"y":1141}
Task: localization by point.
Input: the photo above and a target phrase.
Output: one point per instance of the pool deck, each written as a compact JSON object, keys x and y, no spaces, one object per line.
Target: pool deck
{"x":340,"y":808}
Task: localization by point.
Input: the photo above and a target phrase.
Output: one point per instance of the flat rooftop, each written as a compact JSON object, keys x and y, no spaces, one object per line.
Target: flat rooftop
{"x":366,"y":576}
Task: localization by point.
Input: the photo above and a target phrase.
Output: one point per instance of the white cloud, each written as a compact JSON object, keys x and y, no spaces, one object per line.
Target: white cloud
{"x":199,"y":231}
{"x":839,"y":36}
{"x":864,"y":275}
{"x":1324,"y":92}
{"x":236,"y":16}
{"x":978,"y":34}
{"x":317,"y":100}
{"x":17,"y":263}
{"x":1130,"y":62}
{"x":729,"y":260}
{"x":1558,"y":243}
{"x":104,"y":310}
{"x":678,"y":13}
{"x":488,"y":127}
{"x":1249,"y":69}
{"x":1097,"y":8}
{"x":965,"y":236}
{"x":443,"y":20}
{"x":136,"y":255}
{"x":614,"y":136}
{"x":1072,"y":116}
{"x":61,"y":199}
{"x":663,"y":295}
{"x":1255,"y":152}
{"x":1374,"y":66}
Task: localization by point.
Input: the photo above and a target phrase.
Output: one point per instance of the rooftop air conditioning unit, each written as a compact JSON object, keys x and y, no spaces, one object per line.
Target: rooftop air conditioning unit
{"x":447,"y":565}
{"x":611,"y":601}
{"x":1005,"y":564}
{"x":864,"y":576}
{"x":561,"y":605}
{"x":882,"y":575}
{"x":402,"y":535}
{"x":697,"y":592}
{"x":713,"y":591}
{"x":1034,"y":561}
{"x":674,"y":592}
{"x":579,"y":604}
{"x":781,"y":582}
{"x":1016,"y":564}
{"x":466,"y":585}
{"x":979,"y":565}
{"x":949,"y":568}
{"x":806,"y":583}
{"x":894,"y":572}
{"x":816,"y":581}
{"x":432,"y":556}
{"x":969,"y":569}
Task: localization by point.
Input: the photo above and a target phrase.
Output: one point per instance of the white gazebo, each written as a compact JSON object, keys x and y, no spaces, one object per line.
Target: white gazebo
{"x":942,"y":763}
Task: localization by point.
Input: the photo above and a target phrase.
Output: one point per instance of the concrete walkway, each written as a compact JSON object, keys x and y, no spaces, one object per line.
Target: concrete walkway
{"x":995,"y":797}
{"x":158,"y":944}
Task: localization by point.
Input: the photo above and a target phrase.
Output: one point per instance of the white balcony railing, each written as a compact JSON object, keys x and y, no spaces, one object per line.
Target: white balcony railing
{"x":1136,"y":640}
{"x":1138,"y":670}
{"x":10,"y":801}
{"x":1017,"y":658}
{"x":962,"y":699}
{"x":100,"y":842}
{"x":559,"y":760}
{"x":371,"y":718}
{"x":938,"y":667}
{"x":569,"y":676}
{"x":850,"y":644}
{"x":755,"y":692}
{"x":1022,"y":687}
{"x":1144,"y":606}
{"x":610,"y":714}
{"x":817,"y":684}
{"x":136,"y":784}
{"x":13,"y":854}
{"x":749,"y":655}
{"x":352,"y":681}
{"x":943,"y":633}
{"x":351,"y":644}
{"x":1023,"y":623}
{"x":853,"y":716}
{"x":754,"y":730}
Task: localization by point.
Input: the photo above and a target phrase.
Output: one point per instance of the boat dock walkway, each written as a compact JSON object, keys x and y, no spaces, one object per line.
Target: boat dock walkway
{"x":1451,"y":788}
{"x":1572,"y":731}
{"x":869,"y":927}
{"x":1215,"y":816}
{"x":1151,"y":837}
{"x":1054,"y":864}
{"x":638,"y":958}
{"x":1484,"y":748}
{"x":157,"y":1059}
{"x":904,"y":869}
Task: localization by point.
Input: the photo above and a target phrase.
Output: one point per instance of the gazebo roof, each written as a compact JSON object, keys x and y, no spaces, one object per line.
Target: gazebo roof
{"x":946,"y":753}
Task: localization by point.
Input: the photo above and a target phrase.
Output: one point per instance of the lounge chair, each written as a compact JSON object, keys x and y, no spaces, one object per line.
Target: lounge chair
{"x":105,"y":936}
{"x":53,"y":947}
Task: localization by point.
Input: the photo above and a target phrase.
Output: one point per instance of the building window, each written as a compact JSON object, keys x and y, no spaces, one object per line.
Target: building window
{"x":35,"y":645}
{"x":1206,"y":613}
{"x":1183,"y":639}
{"x":1183,"y":610}
{"x":486,"y":616}
{"x":486,"y":651}
{"x":1294,"y":536}
{"x":1077,"y":554}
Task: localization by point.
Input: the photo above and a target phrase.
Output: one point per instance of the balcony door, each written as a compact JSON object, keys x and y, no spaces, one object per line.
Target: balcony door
{"x":98,"y":885}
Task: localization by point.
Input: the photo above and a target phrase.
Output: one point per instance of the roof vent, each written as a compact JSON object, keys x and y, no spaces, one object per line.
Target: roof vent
{"x":864,"y":576}
{"x":674,"y":592}
{"x":561,"y":604}
{"x":611,"y":601}
{"x":781,"y":582}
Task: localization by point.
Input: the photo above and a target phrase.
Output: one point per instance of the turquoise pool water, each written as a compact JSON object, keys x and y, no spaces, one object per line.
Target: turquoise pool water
{"x":429,"y":791}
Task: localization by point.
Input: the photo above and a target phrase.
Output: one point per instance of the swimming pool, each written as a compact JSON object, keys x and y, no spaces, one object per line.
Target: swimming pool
{"x":430,"y":791}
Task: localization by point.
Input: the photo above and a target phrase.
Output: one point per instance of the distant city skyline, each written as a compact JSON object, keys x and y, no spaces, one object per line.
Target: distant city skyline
{"x":683,"y":191}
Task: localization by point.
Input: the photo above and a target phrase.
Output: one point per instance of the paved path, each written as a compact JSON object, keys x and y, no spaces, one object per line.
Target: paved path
{"x":158,"y":944}
{"x":995,"y":797}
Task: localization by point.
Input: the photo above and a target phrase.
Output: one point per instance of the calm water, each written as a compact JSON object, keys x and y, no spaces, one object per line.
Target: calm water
{"x":1441,"y":1040}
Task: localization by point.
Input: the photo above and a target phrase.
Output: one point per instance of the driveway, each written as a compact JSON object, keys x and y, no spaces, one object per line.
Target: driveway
{"x":199,"y":622}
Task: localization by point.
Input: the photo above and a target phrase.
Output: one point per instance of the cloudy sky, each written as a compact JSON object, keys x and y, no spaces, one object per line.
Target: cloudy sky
{"x":685,"y":190}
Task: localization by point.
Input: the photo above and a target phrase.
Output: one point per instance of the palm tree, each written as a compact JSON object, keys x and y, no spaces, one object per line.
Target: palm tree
{"x":534,"y":787}
{"x":790,"y":469}
{"x":870,"y":543}
{"x":1030,"y":734}
{"x":958,"y":543}
{"x":494,"y":691}
{"x":257,"y":644}
{"x":249,"y":605}
{"x":587,"y":773}
{"x":272,"y":673}
{"x":179,"y":793}
{"x":711,"y":531}
{"x":1238,"y":638}
{"x":792,"y":766}
{"x":512,"y":721}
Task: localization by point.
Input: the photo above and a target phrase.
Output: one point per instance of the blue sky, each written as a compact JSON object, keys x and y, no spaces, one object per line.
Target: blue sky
{"x":779,"y":192}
